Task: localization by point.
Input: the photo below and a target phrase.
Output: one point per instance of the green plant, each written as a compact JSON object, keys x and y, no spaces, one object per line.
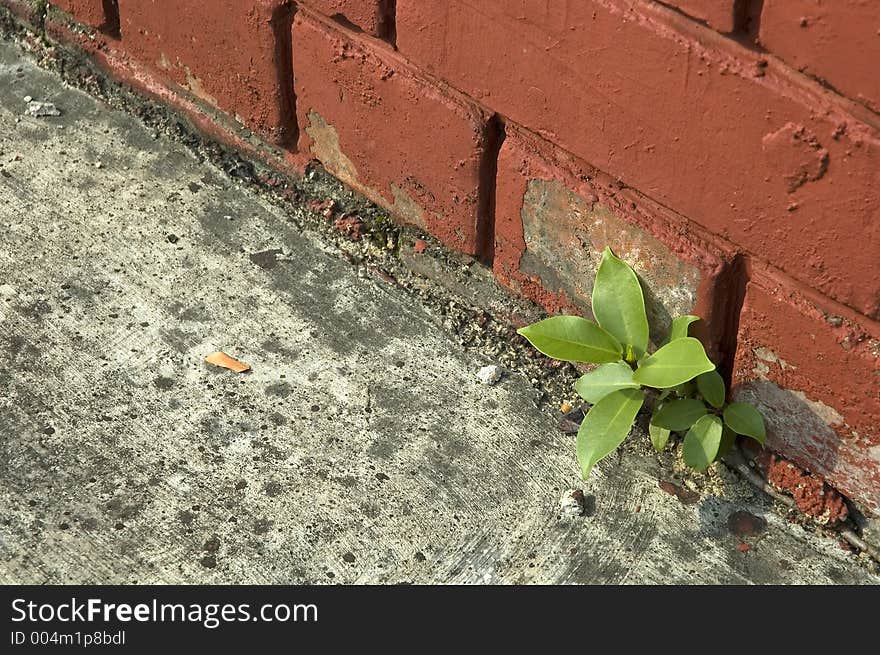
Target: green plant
{"x":691,"y":396}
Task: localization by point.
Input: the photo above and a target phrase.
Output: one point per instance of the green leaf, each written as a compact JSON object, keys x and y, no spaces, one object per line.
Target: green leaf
{"x":728,"y":438}
{"x":685,"y":390}
{"x":680,"y":326}
{"x":597,"y":384}
{"x":673,"y":364}
{"x":606,"y":425}
{"x":659,"y":436}
{"x":619,"y":305}
{"x":744,"y":419}
{"x":678,"y":415}
{"x":702,"y":442}
{"x":711,"y":386}
{"x":573,"y":339}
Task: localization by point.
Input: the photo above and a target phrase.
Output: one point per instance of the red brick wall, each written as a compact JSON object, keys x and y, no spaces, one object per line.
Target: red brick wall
{"x":95,"y":13}
{"x":730,"y":150}
{"x":837,"y":42}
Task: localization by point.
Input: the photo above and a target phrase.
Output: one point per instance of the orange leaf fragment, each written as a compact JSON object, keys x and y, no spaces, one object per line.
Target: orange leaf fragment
{"x":222,"y":359}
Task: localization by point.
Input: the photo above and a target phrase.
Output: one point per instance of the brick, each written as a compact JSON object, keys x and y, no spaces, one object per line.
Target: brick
{"x":813,"y":369}
{"x":750,"y":150}
{"x":838,"y":42}
{"x":554,"y":217}
{"x":375,"y":17}
{"x":232,"y":56}
{"x":381,"y":129}
{"x":719,"y":14}
{"x":101,"y":14}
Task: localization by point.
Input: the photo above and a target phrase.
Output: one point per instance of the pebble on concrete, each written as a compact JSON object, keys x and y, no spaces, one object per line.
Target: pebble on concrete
{"x":490,"y":374}
{"x":36,"y":109}
{"x":572,"y":504}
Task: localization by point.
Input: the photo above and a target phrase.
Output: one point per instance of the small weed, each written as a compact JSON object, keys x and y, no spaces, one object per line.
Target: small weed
{"x":691,"y":397}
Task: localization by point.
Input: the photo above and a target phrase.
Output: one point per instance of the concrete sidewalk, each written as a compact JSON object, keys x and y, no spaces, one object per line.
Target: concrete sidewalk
{"x":360,"y":448}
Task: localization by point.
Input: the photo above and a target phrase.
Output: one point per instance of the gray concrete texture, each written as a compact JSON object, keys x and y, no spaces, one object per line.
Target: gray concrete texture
{"x":361,"y":448}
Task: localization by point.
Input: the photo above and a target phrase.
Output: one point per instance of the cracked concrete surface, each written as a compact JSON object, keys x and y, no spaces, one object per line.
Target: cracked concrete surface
{"x":360,"y":448}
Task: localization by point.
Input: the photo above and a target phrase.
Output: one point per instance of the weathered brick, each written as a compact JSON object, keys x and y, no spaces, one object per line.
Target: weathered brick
{"x":402,"y":142}
{"x":814,"y":373}
{"x":719,"y":14}
{"x":554,"y":217}
{"x":100,"y":14}
{"x":375,"y":17}
{"x":752,"y":151}
{"x":836,"y":41}
{"x":230,"y":55}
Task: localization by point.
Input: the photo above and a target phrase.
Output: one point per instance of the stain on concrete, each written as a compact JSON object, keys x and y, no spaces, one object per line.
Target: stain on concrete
{"x":744,"y":524}
{"x":267,"y":259}
{"x":686,"y":496}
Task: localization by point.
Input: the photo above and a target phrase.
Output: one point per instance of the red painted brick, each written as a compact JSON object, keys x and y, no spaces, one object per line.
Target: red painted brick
{"x":230,"y":55}
{"x":813,"y":368}
{"x":555,"y":215}
{"x":837,"y":41}
{"x":372,"y":16}
{"x":752,"y":151}
{"x":399,"y":140}
{"x":719,"y":14}
{"x":100,"y":14}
